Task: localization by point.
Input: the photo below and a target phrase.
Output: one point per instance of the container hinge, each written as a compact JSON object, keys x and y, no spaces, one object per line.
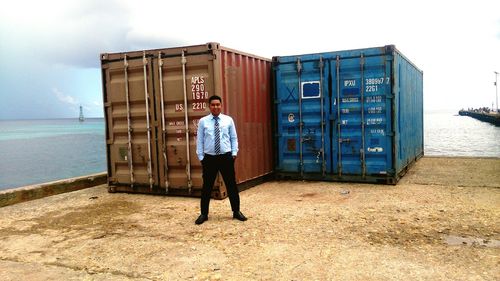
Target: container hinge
{"x":391,"y":171}
{"x":390,"y":97}
{"x":390,"y":134}
{"x":277,"y":101}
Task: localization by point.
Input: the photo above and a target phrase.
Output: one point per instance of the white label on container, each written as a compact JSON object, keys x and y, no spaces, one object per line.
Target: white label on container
{"x":291,"y":118}
{"x":375,"y":149}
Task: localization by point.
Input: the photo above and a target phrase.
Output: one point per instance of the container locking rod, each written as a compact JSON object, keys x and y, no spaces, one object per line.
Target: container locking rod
{"x":148,"y":128}
{"x":339,"y":128}
{"x":299,"y":70}
{"x":323,"y":163}
{"x":186,"y":122}
{"x":129,"y":126}
{"x":363,"y":160}
{"x":163,"y":121}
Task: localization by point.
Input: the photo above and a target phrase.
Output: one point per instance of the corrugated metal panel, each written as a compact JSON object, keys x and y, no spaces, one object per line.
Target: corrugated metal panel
{"x":337,"y":117}
{"x":131,"y":147}
{"x":247,"y":92}
{"x":409,"y":101}
{"x":180,"y":81}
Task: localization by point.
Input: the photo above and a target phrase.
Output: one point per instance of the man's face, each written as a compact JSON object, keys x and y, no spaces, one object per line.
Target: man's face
{"x":215,"y":107}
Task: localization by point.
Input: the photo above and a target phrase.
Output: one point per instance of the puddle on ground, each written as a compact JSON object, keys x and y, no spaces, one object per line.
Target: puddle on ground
{"x":471,"y":241}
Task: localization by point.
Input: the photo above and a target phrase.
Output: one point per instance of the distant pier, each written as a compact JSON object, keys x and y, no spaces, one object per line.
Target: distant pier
{"x":482,"y":116}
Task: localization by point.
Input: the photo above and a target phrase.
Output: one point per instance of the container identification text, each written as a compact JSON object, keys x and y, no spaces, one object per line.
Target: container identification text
{"x":199,"y":95}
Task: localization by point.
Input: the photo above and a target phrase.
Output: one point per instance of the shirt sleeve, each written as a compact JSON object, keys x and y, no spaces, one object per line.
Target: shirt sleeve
{"x":200,"y":138}
{"x":234,"y":138}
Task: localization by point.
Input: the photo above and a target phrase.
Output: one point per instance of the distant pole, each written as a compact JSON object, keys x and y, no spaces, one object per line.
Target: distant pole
{"x":496,"y":88}
{"x":81,"y":118}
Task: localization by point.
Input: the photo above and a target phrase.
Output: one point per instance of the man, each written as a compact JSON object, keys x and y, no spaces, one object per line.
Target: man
{"x":217,"y":147}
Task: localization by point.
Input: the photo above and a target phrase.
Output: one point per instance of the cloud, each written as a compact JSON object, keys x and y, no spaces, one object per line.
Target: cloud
{"x":75,"y":33}
{"x":64,"y":98}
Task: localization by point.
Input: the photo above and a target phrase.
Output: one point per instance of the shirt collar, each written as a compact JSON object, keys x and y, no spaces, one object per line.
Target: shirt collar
{"x":218,"y":116}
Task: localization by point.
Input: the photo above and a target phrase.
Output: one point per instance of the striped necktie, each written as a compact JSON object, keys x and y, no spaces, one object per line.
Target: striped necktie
{"x":216,"y":136}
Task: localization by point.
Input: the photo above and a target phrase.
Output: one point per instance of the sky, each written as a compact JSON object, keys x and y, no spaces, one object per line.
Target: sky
{"x":49,"y":50}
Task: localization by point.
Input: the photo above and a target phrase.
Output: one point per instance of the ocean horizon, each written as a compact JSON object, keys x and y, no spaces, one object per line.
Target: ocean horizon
{"x":35,"y":151}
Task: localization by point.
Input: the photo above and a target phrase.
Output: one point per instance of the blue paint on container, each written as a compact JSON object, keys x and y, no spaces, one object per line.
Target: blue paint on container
{"x":353,"y":115}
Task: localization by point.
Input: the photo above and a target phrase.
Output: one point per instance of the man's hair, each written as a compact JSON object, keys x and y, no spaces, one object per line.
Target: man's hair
{"x":214,"y":97}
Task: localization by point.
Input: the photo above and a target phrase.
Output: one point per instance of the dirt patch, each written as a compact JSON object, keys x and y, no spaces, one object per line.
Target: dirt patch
{"x":105,"y":217}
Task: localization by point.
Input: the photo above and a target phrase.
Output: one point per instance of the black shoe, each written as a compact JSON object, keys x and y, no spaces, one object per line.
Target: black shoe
{"x":201,"y":219}
{"x":239,"y":216}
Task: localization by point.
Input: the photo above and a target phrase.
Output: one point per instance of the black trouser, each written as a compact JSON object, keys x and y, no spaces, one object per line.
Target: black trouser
{"x":211,"y":165}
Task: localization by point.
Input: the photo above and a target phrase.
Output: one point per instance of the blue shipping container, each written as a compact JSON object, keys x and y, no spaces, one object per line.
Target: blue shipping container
{"x":353,"y":115}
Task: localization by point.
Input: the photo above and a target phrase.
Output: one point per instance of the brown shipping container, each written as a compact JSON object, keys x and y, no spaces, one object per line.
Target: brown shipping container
{"x":153,"y":100}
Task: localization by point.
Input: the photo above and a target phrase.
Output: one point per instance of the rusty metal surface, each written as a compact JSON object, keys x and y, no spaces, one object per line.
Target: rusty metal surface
{"x":246,"y":87}
{"x":179,"y":83}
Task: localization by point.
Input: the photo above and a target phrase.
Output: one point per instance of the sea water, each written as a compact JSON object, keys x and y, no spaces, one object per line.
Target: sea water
{"x":37,"y":151}
{"x":448,"y":134}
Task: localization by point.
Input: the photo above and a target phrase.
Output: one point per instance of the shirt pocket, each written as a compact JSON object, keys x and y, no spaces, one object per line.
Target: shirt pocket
{"x":208,"y":130}
{"x":224,"y":129}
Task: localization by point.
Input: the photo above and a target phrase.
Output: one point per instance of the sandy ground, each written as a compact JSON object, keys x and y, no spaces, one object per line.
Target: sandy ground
{"x":441,"y":222}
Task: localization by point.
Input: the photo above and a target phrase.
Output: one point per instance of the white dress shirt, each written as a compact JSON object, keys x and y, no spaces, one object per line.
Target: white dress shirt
{"x":205,"y":137}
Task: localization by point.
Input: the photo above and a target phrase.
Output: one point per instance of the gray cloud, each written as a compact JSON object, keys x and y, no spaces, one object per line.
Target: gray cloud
{"x":77,"y":36}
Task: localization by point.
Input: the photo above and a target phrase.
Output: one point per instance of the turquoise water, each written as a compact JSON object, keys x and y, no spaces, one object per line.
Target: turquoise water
{"x":37,"y":151}
{"x":31,"y":129}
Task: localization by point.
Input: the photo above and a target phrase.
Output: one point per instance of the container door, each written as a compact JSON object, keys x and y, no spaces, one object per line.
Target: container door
{"x":363,"y":112}
{"x":129,"y":110}
{"x":185,"y":82}
{"x":303,"y":107}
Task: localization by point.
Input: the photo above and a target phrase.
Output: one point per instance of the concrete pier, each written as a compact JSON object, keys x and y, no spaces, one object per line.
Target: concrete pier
{"x":440,"y":222}
{"x":37,"y":191}
{"x":482,"y":116}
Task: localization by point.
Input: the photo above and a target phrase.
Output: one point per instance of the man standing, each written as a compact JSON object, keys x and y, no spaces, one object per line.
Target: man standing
{"x":217,"y":147}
